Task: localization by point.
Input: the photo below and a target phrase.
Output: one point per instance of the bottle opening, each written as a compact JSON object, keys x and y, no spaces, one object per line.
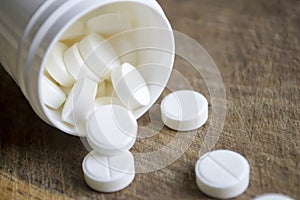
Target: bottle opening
{"x":94,"y":45}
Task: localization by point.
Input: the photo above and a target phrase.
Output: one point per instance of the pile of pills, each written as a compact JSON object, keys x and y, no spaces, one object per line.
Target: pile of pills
{"x":78,"y":71}
{"x":82,"y":73}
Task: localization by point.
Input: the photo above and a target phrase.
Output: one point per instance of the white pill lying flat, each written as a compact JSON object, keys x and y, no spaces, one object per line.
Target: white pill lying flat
{"x":184,"y":110}
{"x":99,"y":55}
{"x":75,"y":31}
{"x":273,"y":197}
{"x":109,"y":24}
{"x":111,"y":129}
{"x":222,"y":174}
{"x":56,"y":67}
{"x":130,"y":86}
{"x":51,"y":93}
{"x":79,"y":101}
{"x":76,"y":66}
{"x":108,"y":173}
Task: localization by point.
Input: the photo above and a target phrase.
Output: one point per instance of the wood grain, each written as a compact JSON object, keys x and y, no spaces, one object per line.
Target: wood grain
{"x":255,"y":44}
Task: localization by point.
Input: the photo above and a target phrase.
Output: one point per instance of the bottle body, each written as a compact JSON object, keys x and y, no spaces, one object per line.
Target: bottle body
{"x":30,"y":28}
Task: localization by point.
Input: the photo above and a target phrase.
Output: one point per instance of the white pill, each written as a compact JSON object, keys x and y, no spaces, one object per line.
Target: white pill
{"x":101,"y":101}
{"x":51,"y":93}
{"x":56,"y":67}
{"x":79,"y":101}
{"x":130,"y":86}
{"x":75,"y":31}
{"x":111,"y":129}
{"x":273,"y":197}
{"x":101,"y":91}
{"x":109,"y":24}
{"x":184,"y":110}
{"x":76,"y":66}
{"x":222,"y":174}
{"x":108,"y":173}
{"x":99,"y":55}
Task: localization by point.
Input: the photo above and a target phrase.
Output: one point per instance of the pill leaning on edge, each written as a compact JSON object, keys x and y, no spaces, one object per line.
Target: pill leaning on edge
{"x":130,"y":86}
{"x":109,"y":24}
{"x":51,"y":93}
{"x":56,"y":67}
{"x":222,"y":174}
{"x":98,"y":54}
{"x":184,"y":110}
{"x":80,"y":99}
{"x":273,"y":197}
{"x":76,"y":66}
{"x":108,"y":173}
{"x":111,"y":129}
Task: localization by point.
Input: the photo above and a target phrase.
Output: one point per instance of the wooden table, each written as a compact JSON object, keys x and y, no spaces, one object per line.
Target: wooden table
{"x":256,"y":46}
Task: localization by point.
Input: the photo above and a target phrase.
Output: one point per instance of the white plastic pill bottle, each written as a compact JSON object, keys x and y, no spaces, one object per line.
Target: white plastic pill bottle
{"x":29,"y":29}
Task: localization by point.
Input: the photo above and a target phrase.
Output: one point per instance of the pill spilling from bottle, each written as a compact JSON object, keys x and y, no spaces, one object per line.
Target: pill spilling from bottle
{"x":91,"y":88}
{"x":103,"y":92}
{"x":99,"y":86}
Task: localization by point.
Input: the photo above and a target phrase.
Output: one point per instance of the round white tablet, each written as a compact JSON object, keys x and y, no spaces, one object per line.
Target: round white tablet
{"x":51,"y":93}
{"x":184,"y":110}
{"x":111,"y":129}
{"x":130,"y":86}
{"x":273,"y":197}
{"x":76,"y":66}
{"x":56,"y":67}
{"x":99,"y":55}
{"x":79,"y":101}
{"x":108,"y":173}
{"x":222,"y":174}
{"x":109,"y":24}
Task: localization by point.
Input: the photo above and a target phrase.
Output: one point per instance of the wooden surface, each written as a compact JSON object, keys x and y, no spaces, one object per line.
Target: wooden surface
{"x":256,"y":46}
